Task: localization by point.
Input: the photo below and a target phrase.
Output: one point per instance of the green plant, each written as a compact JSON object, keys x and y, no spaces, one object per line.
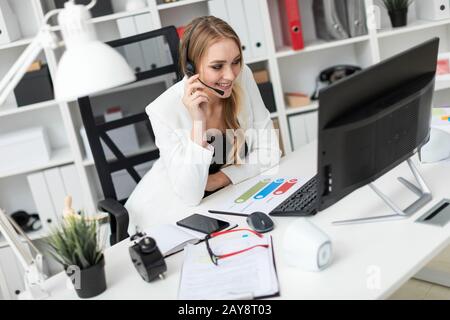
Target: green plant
{"x":393,"y":5}
{"x":76,"y":242}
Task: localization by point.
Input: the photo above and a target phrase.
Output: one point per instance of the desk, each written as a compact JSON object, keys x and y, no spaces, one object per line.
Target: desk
{"x":371,"y":261}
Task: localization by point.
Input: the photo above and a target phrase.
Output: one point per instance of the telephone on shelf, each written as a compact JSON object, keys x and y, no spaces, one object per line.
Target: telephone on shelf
{"x":331,"y":75}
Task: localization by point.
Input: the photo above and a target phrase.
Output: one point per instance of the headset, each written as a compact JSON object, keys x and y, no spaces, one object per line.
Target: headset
{"x":190,"y":66}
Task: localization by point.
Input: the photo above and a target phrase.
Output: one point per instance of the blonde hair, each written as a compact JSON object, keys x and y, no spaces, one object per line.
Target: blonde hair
{"x":198,"y":36}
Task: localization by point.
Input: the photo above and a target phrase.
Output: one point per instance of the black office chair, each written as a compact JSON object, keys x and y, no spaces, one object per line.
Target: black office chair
{"x":96,"y":133}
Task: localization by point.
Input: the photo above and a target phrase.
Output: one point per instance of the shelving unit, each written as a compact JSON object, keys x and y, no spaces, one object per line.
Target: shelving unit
{"x":289,"y":70}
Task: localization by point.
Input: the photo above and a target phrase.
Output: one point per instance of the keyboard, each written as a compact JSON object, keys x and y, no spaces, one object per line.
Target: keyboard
{"x":302,"y":203}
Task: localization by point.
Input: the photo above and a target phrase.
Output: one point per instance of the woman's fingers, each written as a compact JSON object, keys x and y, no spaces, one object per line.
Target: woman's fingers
{"x":196,"y":86}
{"x":200,"y":99}
{"x":193,"y":78}
{"x":198,"y":94}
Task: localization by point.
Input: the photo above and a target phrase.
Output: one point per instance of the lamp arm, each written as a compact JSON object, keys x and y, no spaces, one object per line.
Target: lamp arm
{"x":33,"y":277}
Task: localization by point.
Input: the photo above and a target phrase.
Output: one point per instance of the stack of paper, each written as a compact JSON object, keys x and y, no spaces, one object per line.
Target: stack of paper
{"x":247,"y":275}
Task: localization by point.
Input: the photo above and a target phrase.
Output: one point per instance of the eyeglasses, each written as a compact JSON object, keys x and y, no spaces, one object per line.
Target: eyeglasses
{"x":215,"y":257}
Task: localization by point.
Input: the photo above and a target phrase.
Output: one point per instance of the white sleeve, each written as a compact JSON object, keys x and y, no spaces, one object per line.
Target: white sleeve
{"x":264,"y":151}
{"x":187,"y":163}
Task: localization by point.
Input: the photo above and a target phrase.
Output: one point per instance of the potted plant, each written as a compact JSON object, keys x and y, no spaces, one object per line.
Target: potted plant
{"x":398,"y":11}
{"x":75,"y":244}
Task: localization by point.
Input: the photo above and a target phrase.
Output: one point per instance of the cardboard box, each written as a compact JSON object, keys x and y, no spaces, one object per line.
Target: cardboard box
{"x":24,"y":149}
{"x":295,"y":99}
{"x":261,"y":76}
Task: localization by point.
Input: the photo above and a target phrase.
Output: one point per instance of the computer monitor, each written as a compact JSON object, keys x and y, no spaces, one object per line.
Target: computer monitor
{"x":374,"y":120}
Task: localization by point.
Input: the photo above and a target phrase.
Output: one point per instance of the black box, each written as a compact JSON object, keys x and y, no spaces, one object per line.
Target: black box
{"x":35,"y":86}
{"x":267,"y":95}
{"x":102,"y":8}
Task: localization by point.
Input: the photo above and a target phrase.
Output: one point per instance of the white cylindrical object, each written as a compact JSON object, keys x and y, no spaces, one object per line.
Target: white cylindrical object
{"x":306,"y":246}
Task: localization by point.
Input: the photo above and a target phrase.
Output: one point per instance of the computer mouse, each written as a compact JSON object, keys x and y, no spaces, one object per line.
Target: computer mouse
{"x":260,"y":222}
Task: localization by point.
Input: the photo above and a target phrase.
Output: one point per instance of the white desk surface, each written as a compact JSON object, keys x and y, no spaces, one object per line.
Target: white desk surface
{"x":371,"y":261}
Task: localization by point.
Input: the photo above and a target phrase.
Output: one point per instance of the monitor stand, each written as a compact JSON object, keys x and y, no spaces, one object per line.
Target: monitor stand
{"x":422,"y":192}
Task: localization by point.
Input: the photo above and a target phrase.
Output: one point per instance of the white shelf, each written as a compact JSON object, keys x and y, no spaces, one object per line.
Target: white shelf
{"x":18,"y":43}
{"x":319,"y":45}
{"x":297,"y":110}
{"x":274,"y":115}
{"x":147,"y":146}
{"x":112,"y":17}
{"x":175,"y":4}
{"x":413,"y":26}
{"x":59,"y":157}
{"x":119,"y":15}
{"x":33,"y":107}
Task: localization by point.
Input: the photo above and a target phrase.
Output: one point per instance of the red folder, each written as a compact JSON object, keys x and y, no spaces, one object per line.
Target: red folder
{"x":291,"y":24}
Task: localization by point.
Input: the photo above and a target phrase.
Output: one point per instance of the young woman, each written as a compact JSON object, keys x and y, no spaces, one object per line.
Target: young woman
{"x":212,"y":128}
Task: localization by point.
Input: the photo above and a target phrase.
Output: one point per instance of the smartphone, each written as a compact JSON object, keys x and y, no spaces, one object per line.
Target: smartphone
{"x":203,"y":224}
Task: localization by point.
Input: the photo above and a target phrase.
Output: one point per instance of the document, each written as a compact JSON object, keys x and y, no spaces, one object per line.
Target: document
{"x":246,"y":275}
{"x":261,"y":193}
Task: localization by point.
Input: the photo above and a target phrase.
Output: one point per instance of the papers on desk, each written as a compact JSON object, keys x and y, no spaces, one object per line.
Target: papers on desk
{"x":247,"y":275}
{"x":262,"y":194}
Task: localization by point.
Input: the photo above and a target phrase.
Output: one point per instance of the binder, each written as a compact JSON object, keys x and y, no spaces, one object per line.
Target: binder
{"x":255,"y":28}
{"x":133,"y":51}
{"x":237,"y":18}
{"x":42,"y":199}
{"x":149,"y":47}
{"x":218,"y":9}
{"x":291,"y":24}
{"x":56,"y":189}
{"x":328,"y":20}
{"x":356,"y":16}
{"x":72,"y":186}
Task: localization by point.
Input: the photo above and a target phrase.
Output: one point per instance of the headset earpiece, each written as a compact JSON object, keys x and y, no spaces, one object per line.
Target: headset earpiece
{"x":190,"y":69}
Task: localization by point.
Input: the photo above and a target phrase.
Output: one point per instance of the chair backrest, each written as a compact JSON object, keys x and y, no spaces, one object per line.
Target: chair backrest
{"x":98,"y":132}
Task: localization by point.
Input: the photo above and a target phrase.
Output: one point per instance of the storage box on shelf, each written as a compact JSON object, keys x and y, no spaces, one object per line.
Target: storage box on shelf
{"x":35,"y":86}
{"x":24,"y":148}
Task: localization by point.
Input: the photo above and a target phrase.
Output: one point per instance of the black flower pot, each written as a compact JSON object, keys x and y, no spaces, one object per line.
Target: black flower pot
{"x":398,"y":17}
{"x":88,"y":282}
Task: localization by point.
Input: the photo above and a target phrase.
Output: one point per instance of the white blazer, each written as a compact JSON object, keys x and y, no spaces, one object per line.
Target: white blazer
{"x":181,"y":172}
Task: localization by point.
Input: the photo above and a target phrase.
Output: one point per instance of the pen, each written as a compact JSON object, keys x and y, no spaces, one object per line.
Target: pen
{"x":228,"y":213}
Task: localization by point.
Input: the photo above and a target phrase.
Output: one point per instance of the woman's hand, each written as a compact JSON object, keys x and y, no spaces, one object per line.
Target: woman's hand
{"x":195,"y":99}
{"x":217,"y":181}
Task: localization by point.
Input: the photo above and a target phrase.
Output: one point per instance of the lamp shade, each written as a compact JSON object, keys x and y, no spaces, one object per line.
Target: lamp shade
{"x":90,"y":68}
{"x":88,"y":65}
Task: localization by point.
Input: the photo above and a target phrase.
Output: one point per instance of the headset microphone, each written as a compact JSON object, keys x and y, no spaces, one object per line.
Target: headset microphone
{"x":216,"y":90}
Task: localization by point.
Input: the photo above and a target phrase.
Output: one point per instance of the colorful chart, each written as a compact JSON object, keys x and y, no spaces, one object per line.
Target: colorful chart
{"x":268,"y":190}
{"x":250,"y":192}
{"x":263,"y":194}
